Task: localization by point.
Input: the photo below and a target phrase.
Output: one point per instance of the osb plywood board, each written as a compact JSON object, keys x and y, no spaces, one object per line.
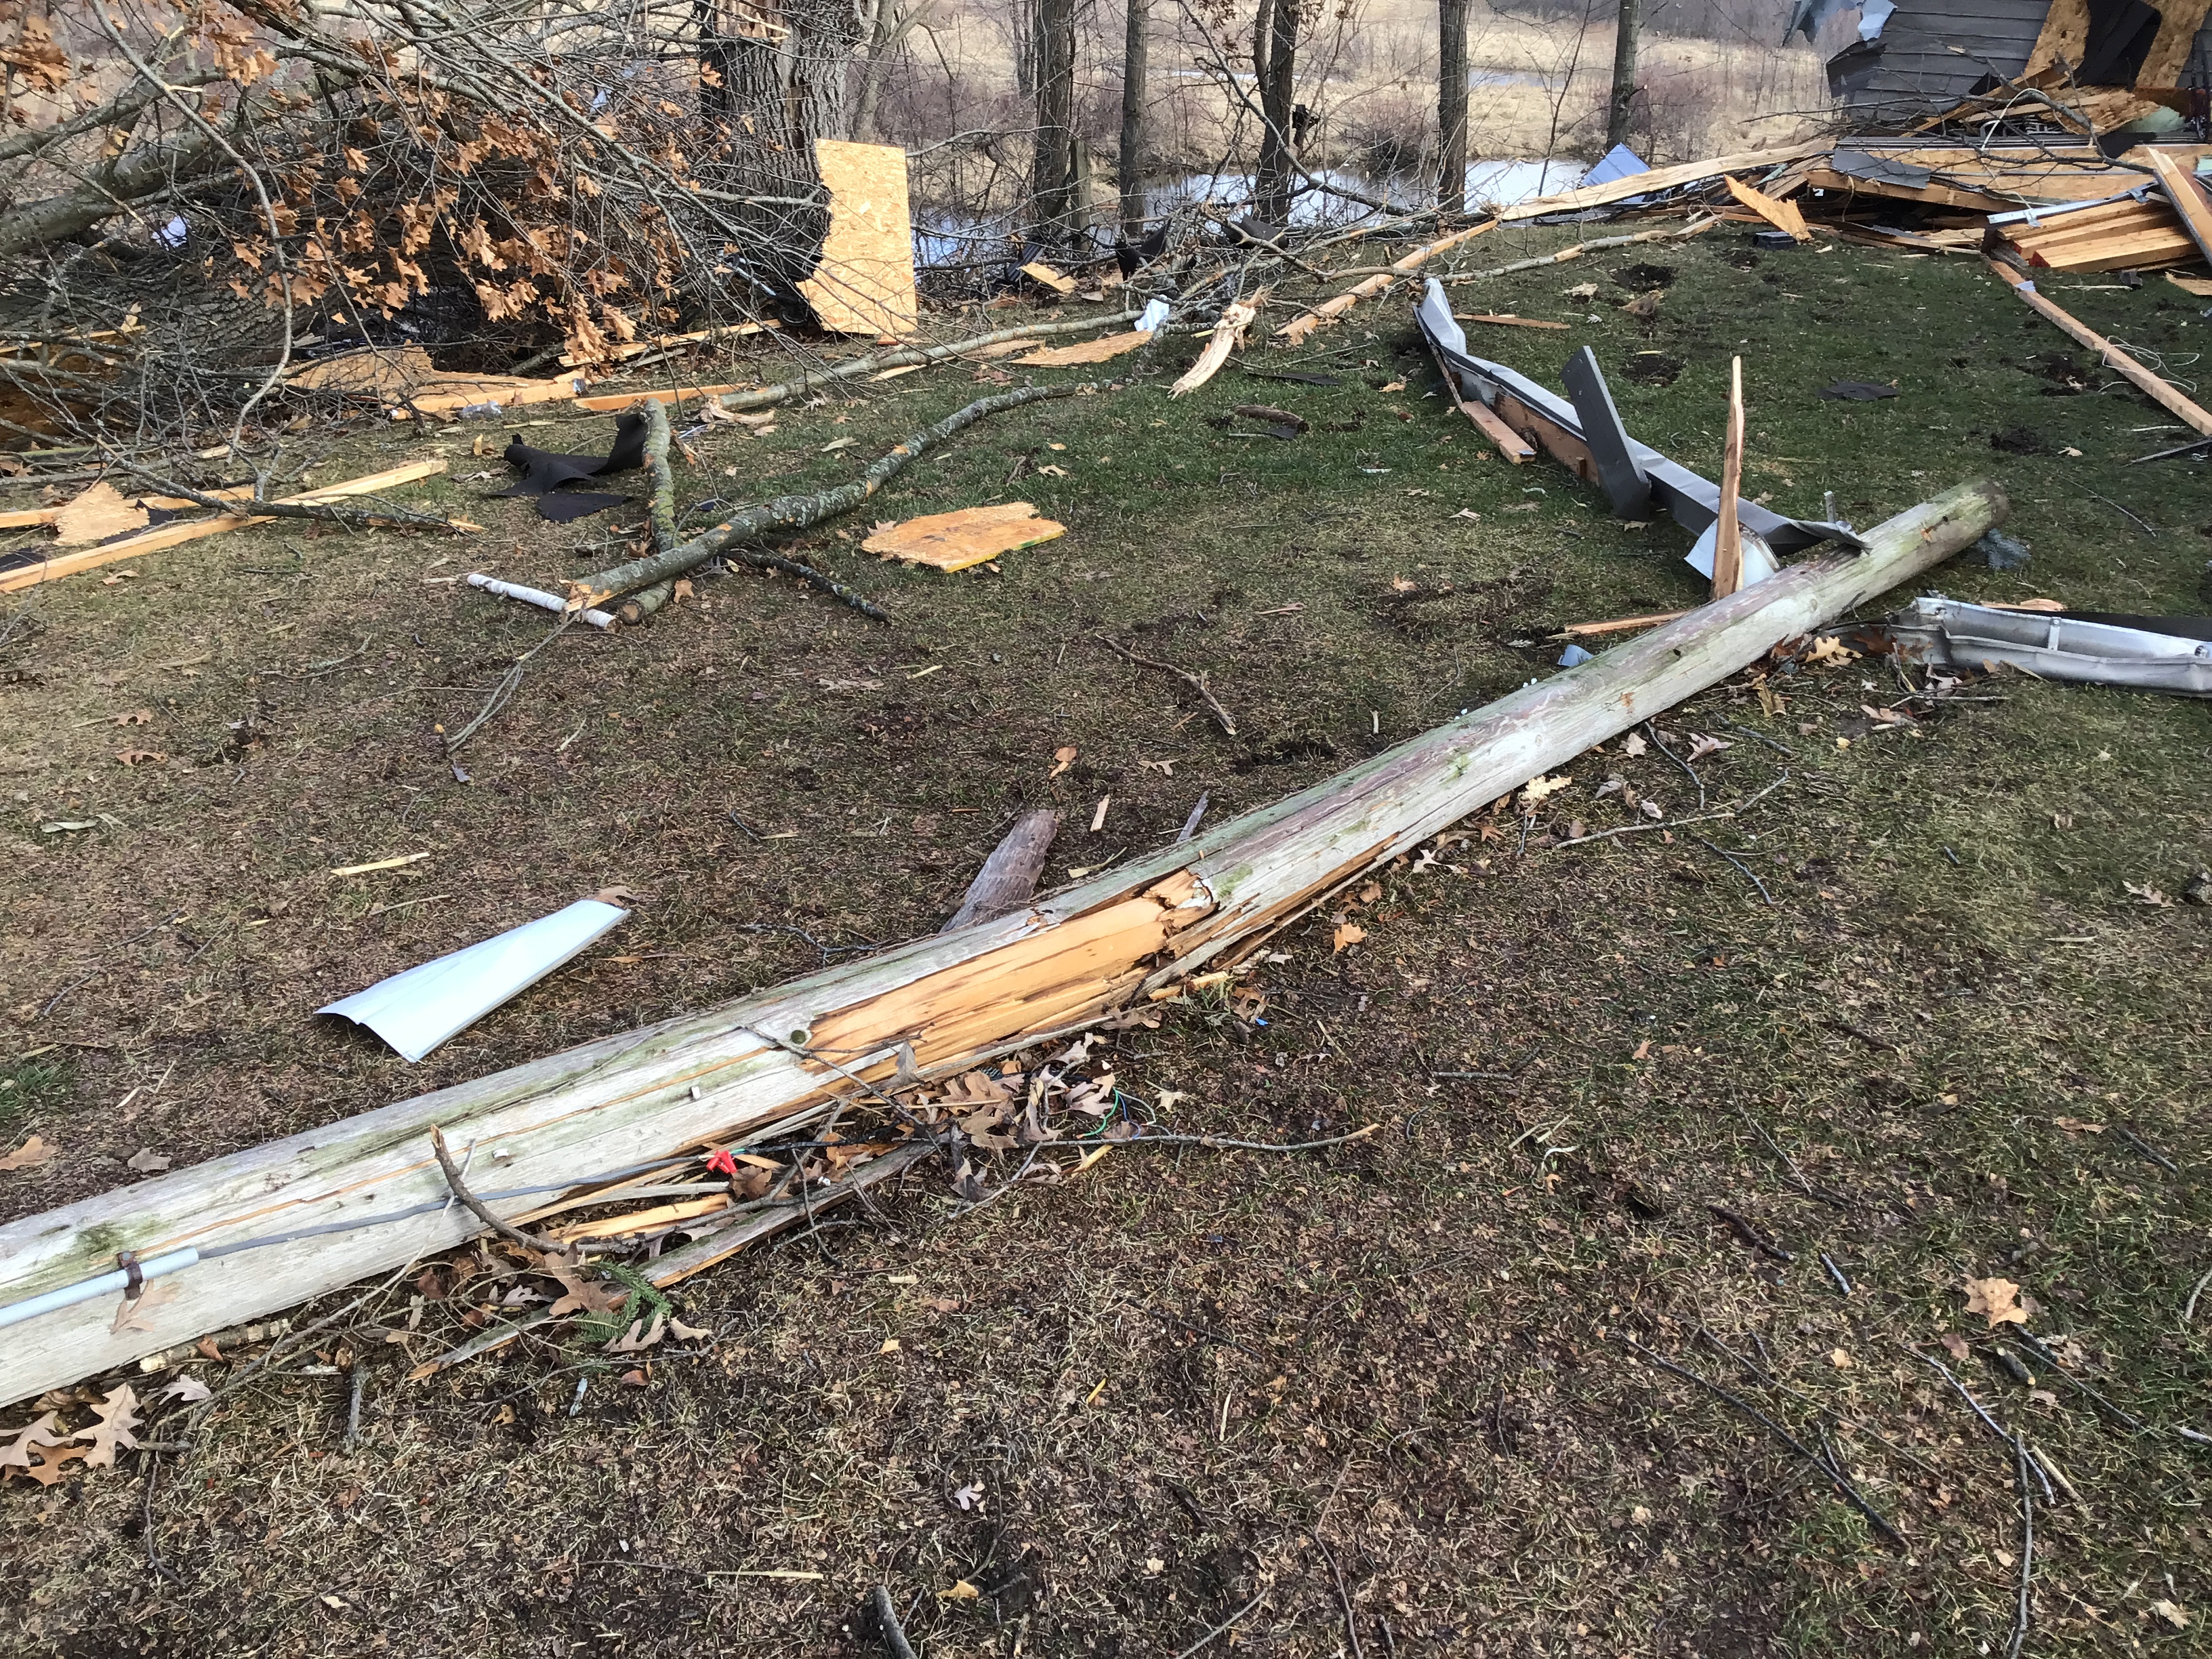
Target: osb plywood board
{"x":388,"y":374}
{"x":954,"y":541}
{"x":864,"y":283}
{"x":2179,"y":23}
{"x":99,"y":513}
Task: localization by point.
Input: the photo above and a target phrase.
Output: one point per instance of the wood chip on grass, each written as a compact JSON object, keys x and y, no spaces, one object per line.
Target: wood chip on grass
{"x":1100,"y":351}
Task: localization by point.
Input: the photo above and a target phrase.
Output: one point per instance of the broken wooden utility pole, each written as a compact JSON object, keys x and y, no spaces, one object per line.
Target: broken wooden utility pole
{"x":1621,"y":111}
{"x":267,"y":1228}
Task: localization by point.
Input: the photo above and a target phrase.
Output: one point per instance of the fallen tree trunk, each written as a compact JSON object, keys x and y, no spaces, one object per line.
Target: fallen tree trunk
{"x":949,"y":1001}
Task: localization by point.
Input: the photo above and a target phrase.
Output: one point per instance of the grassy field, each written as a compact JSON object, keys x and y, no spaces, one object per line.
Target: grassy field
{"x":1387,"y":1389}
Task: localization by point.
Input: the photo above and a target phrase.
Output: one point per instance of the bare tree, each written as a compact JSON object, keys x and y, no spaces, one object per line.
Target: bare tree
{"x":1451,"y":105}
{"x":885,"y":25}
{"x":1621,"y":111}
{"x":1129,"y":166}
{"x":1275,"y":61}
{"x":1052,"y":173}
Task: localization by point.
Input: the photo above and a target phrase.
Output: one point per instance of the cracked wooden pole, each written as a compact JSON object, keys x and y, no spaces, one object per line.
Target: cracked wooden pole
{"x":936,"y":1006}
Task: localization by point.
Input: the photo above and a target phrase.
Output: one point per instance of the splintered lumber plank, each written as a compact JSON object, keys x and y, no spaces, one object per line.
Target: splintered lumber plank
{"x":1728,"y":530}
{"x":1974,"y":201}
{"x":2158,"y":391}
{"x":1504,"y":319}
{"x":1511,"y":443}
{"x":1236,"y":317}
{"x":1009,"y":875}
{"x":2186,"y":194}
{"x":951,"y":1000}
{"x":28,"y":518}
{"x":615,"y":402}
{"x":1619,"y":624}
{"x":566,"y":389}
{"x":1783,"y":216}
{"x":173,"y":534}
{"x":2063,"y":40}
{"x":1658,"y":179}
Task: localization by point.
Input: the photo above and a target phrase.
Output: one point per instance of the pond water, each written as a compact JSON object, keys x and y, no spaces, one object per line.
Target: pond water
{"x":943,"y":237}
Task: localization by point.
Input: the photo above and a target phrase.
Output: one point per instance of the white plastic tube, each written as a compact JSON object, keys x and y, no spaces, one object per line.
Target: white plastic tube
{"x":537,"y":596}
{"x":68,"y":1296}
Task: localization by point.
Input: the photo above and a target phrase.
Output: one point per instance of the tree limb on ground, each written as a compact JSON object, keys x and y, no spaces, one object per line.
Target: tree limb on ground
{"x":797,"y":512}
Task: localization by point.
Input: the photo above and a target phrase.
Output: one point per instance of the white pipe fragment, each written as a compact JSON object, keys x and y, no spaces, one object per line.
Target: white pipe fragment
{"x":418,"y":1010}
{"x":66,"y":1296}
{"x":537,"y":596}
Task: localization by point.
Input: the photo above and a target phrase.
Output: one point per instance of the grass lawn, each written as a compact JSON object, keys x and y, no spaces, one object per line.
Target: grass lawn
{"x":1387,"y":1389}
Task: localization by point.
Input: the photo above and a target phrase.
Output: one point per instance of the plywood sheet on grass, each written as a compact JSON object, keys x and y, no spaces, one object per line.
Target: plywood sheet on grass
{"x":864,"y":283}
{"x":954,"y":541}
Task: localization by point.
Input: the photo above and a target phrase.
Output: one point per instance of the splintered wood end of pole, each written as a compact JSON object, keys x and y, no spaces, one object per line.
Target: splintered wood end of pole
{"x":1727,"y":534}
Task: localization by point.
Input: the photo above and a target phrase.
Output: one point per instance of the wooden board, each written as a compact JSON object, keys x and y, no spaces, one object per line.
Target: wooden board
{"x":737,"y":1069}
{"x":2128,"y":236}
{"x":1043,"y":274}
{"x":2158,"y":391}
{"x":2064,"y":39}
{"x":2187,"y":196}
{"x":177,"y":532}
{"x":386,"y":375}
{"x":864,"y":281}
{"x":99,"y":513}
{"x":1783,"y":216}
{"x":1827,"y":179}
{"x":956,"y":541}
{"x":1658,"y":179}
{"x":28,"y":518}
{"x":1504,"y":320}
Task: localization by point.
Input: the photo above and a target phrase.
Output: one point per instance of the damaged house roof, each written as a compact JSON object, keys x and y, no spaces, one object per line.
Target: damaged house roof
{"x":1901,"y":60}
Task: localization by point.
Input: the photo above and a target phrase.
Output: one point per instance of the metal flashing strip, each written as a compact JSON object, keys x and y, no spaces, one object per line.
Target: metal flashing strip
{"x":1692,"y":501}
{"x":2036,"y":215}
{"x":2051,"y":646}
{"x":418,"y":1010}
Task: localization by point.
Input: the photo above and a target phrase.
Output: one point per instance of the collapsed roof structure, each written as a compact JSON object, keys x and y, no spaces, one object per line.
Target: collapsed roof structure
{"x":2095,"y":66}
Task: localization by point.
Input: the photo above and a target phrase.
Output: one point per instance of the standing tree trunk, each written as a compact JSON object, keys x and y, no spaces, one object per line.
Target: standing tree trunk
{"x":1451,"y":105}
{"x":1275,"y":57}
{"x":772,"y":81}
{"x":1129,"y":166}
{"x":1051,"y":178}
{"x":1624,"y":75}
